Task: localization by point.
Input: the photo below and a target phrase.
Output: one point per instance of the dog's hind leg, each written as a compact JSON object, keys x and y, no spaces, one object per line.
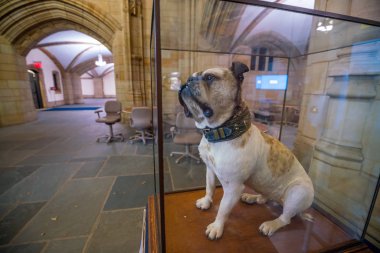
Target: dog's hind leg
{"x":253,"y":198}
{"x":298,"y":198}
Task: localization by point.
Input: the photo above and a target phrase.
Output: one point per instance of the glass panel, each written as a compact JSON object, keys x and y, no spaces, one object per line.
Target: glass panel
{"x":373,"y":230}
{"x":338,"y":130}
{"x":263,"y":92}
{"x":154,"y":89}
{"x":327,"y":113}
{"x":219,"y":26}
{"x":154,"y":103}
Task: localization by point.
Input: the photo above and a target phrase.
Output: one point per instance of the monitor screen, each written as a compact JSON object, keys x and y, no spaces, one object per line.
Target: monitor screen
{"x":271,"y":82}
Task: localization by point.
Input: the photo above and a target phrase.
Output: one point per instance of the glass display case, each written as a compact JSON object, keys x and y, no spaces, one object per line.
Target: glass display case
{"x":313,"y":83}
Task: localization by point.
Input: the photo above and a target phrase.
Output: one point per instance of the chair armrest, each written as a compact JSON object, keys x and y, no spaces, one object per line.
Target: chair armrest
{"x":173,"y":131}
{"x":98,"y":112}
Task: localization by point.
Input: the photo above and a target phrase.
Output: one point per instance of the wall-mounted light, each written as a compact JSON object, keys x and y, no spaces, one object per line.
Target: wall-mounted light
{"x":325,"y":25}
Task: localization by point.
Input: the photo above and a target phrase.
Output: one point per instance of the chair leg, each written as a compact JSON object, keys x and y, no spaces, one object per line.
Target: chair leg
{"x":187,"y":153}
{"x":180,"y":158}
{"x":141,"y":135}
{"x":111,"y":137}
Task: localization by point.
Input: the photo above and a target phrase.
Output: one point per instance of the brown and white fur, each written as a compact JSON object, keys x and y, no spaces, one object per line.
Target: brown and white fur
{"x":254,"y":159}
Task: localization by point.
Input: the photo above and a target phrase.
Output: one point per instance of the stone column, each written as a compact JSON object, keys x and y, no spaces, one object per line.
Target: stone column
{"x":98,"y":87}
{"x":77,"y":88}
{"x":16,"y":102}
{"x":344,"y":167}
{"x":68,"y":90}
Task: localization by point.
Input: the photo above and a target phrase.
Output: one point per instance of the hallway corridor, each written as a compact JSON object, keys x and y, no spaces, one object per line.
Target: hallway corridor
{"x":61,"y":191}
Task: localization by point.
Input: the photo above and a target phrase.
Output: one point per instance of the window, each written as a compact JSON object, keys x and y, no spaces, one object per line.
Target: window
{"x":259,"y":60}
{"x":271,"y":82}
{"x":56,"y":81}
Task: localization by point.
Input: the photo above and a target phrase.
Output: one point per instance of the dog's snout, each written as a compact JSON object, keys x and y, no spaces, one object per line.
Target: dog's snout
{"x":191,"y":79}
{"x":186,"y":91}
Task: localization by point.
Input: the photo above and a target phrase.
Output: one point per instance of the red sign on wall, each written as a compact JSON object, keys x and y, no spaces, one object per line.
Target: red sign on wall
{"x":37,"y":64}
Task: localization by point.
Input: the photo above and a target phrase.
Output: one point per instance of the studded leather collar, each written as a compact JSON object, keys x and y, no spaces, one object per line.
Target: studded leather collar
{"x":237,"y":125}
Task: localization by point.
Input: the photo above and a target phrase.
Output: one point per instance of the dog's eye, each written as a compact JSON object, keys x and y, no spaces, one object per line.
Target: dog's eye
{"x":209,"y":78}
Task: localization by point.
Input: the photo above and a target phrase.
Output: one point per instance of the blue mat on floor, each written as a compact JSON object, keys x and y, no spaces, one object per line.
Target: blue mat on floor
{"x":72,"y":109}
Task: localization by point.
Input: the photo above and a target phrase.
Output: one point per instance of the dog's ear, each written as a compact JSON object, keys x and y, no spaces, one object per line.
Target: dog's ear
{"x":238,"y":69}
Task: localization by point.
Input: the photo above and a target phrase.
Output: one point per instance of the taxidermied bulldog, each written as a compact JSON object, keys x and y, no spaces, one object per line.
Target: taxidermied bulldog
{"x":238,"y":153}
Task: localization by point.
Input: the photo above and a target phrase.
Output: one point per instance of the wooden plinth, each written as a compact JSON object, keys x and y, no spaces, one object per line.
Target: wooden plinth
{"x":186,"y":225}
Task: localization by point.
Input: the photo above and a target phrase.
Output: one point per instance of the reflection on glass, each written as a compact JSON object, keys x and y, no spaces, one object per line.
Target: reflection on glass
{"x":313,"y":83}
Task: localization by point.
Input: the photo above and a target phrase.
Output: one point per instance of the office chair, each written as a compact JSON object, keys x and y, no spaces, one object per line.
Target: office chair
{"x":141,"y":121}
{"x":185,"y":134}
{"x":113,"y":115}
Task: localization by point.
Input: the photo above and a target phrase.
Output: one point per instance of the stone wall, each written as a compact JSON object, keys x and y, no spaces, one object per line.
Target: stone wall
{"x":339,"y":125}
{"x":16,"y":103}
{"x":339,"y":130}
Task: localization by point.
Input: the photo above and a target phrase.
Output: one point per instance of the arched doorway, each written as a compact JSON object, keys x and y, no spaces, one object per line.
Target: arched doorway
{"x":71,"y":68}
{"x":25,"y":23}
{"x":34,"y":81}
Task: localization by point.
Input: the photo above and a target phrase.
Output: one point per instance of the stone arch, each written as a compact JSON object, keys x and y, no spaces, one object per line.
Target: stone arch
{"x":275,"y":42}
{"x":24,"y":23}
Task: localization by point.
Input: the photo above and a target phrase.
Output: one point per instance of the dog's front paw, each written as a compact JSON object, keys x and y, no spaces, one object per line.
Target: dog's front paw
{"x":203,"y":203}
{"x":214,"y":231}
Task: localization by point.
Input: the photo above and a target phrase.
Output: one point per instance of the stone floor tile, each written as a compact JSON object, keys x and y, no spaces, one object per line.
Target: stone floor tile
{"x":41,"y":185}
{"x":144,"y":149}
{"x":97,"y":149}
{"x":127,"y":165}
{"x":66,"y":246}
{"x":38,"y":143}
{"x":148,"y":149}
{"x":130,"y":192}
{"x":5,"y":209}
{"x":60,"y":147}
{"x":11,"y":224}
{"x":89,"y":169}
{"x":89,"y":159}
{"x":13,"y":157}
{"x":117,"y":232}
{"x":46,"y":159}
{"x":72,"y":212}
{"x":187,"y":174}
{"x":124,"y":148}
{"x":10,"y":145}
{"x":24,"y":248}
{"x":9,"y":176}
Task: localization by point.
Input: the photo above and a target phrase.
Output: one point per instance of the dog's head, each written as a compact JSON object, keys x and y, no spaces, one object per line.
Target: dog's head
{"x":211,"y":96}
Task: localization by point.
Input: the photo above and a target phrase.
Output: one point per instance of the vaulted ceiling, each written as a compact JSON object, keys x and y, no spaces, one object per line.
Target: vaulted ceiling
{"x":74,"y":51}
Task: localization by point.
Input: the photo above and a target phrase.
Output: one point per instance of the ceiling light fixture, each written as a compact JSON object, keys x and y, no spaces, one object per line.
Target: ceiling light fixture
{"x":325,"y":25}
{"x":100,"y":61}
